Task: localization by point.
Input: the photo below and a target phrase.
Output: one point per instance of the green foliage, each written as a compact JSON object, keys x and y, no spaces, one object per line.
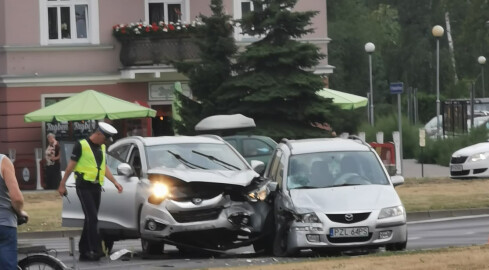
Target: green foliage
{"x":217,"y":48}
{"x":273,"y":84}
{"x":388,"y":124}
{"x":440,"y":151}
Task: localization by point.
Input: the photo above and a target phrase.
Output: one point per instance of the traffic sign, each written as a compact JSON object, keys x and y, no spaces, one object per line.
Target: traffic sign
{"x":396,"y":87}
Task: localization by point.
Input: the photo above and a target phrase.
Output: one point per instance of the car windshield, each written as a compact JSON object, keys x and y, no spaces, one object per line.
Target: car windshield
{"x":211,"y":156}
{"x":333,"y":169}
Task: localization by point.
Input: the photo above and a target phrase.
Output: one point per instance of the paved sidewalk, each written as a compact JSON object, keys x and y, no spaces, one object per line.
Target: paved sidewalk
{"x":412,"y":169}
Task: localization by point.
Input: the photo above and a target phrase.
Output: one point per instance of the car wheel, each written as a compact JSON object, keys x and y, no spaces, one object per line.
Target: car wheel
{"x":396,"y":246}
{"x":280,"y":241}
{"x":265,"y":243}
{"x":152,"y":247}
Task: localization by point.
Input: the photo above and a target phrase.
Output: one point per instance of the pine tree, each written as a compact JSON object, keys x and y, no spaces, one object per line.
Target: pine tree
{"x":217,"y":48}
{"x":274,"y":83}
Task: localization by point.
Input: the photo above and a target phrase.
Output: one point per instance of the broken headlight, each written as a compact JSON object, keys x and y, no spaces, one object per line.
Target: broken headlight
{"x":259,"y":194}
{"x":159,"y":192}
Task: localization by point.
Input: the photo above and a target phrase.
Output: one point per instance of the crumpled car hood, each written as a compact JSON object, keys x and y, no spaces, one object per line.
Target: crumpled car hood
{"x":344,"y":199}
{"x":473,"y":149}
{"x":240,"y":178}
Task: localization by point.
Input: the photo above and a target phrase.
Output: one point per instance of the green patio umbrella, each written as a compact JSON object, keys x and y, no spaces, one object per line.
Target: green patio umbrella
{"x":89,"y":105}
{"x":344,"y":100}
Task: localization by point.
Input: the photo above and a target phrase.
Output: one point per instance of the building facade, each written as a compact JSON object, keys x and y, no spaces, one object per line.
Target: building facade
{"x":52,"y":49}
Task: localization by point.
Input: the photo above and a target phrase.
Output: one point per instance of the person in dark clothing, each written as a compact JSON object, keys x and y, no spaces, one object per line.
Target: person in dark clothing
{"x":52,"y":155}
{"x":88,"y":164}
{"x":11,"y":206}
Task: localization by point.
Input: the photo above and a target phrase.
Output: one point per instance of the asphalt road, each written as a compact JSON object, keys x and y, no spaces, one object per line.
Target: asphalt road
{"x":425,"y":234}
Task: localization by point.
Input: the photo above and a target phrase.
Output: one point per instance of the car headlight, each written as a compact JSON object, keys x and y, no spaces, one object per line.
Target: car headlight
{"x":258,"y":194}
{"x":391,"y":212}
{"x":479,"y":156}
{"x":159,"y":192}
{"x":308,"y":218}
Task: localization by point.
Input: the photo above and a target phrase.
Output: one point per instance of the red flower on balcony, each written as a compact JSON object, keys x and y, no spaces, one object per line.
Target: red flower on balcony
{"x":161,"y":29}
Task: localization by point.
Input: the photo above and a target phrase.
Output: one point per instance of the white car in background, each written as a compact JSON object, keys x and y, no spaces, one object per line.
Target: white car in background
{"x":470,"y":162}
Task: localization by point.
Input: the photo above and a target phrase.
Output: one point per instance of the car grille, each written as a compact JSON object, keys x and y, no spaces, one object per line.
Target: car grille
{"x":196,"y":215}
{"x":458,"y":160}
{"x":340,"y":218}
{"x":349,"y":239}
{"x":460,"y":173}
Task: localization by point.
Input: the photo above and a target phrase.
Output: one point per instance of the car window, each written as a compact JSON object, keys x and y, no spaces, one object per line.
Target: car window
{"x":328,"y":169}
{"x":212,"y":156}
{"x":112,"y":163}
{"x":135,"y":161}
{"x":233,"y":143}
{"x":121,"y":152}
{"x":274,"y":164}
{"x":254,"y":147}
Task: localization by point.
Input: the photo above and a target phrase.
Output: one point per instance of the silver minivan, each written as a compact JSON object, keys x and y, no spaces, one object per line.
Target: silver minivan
{"x":333,"y":195}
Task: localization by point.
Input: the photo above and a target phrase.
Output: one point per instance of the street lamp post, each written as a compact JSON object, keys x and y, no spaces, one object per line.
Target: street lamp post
{"x":482,"y":61}
{"x":370,"y":48}
{"x":437,"y":32}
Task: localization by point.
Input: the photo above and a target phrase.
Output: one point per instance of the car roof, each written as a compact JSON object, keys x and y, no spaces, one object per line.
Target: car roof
{"x":325,"y":145}
{"x":149,"y":141}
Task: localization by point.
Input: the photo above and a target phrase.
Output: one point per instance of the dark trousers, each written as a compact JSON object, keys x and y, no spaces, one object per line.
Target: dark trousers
{"x":90,"y":202}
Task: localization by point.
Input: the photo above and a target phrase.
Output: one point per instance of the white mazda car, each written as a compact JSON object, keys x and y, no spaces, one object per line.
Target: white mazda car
{"x":333,"y":195}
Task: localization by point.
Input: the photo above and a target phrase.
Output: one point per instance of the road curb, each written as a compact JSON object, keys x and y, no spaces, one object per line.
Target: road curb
{"x":426,"y":215}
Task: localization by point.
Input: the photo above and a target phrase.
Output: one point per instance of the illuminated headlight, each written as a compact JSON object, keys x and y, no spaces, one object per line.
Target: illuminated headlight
{"x":391,"y":212}
{"x":479,"y":156}
{"x":309,"y":218}
{"x":159,"y":192}
{"x":259,"y":194}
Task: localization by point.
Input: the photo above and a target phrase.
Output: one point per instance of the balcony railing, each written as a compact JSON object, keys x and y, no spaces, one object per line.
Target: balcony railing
{"x":155,"y":51}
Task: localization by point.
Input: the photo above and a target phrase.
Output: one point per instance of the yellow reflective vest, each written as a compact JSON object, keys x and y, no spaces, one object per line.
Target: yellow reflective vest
{"x":87,"y":165}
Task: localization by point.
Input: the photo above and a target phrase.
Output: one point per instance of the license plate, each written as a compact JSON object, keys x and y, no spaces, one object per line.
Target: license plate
{"x":349,"y":232}
{"x":456,"y":168}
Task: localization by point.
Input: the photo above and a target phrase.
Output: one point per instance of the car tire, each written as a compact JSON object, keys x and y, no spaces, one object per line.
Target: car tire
{"x":152,"y":247}
{"x":396,"y":246}
{"x":265,"y":243}
{"x":280,"y":241}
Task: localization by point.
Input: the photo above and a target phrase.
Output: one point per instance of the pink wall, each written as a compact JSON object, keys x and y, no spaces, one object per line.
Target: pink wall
{"x":21,"y":22}
{"x":15,"y":133}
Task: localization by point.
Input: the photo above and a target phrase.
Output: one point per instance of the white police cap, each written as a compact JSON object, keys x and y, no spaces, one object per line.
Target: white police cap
{"x":107,"y":129}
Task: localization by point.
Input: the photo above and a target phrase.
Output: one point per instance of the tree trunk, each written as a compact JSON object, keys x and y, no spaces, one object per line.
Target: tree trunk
{"x":450,"y":45}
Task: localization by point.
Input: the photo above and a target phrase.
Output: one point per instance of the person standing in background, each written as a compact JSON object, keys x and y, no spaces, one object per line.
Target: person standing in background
{"x":11,"y":206}
{"x":53,"y":154}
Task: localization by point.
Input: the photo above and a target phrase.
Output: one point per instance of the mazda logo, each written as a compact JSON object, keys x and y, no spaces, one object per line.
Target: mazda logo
{"x":348,"y":217}
{"x":197,"y":200}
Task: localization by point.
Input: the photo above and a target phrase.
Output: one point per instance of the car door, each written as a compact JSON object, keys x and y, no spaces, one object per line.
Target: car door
{"x":119,"y":210}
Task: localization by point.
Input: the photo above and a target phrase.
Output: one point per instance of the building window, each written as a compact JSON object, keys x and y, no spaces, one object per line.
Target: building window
{"x":167,"y":11}
{"x":241,"y":8}
{"x":69,"y":21}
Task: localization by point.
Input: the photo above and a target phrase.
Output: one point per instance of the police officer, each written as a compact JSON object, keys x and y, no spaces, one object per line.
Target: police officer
{"x":88,"y":163}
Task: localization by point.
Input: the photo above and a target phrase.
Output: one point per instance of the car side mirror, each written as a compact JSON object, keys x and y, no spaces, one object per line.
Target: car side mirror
{"x":124,"y":169}
{"x":397,"y":180}
{"x":258,"y":166}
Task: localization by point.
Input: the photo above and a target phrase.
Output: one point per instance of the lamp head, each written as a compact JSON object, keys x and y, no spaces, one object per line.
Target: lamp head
{"x":481,"y":60}
{"x":437,"y":31}
{"x":369,"y":47}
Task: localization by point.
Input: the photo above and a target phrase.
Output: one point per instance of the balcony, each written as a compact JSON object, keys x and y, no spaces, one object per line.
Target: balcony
{"x":144,"y":51}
